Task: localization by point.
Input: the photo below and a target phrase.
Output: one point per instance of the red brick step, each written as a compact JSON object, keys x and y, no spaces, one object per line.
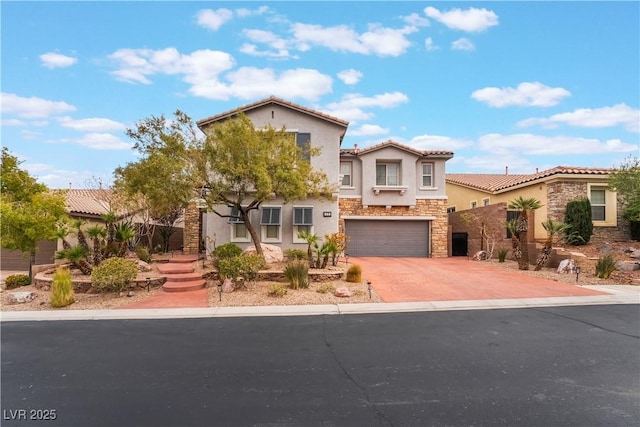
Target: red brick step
{"x":185,"y":286}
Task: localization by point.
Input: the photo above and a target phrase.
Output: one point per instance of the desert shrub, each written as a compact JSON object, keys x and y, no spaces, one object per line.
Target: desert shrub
{"x":295,"y":254}
{"x":354,"y":274}
{"x":62,"y":288}
{"x":297,"y":273}
{"x":605,"y":266}
{"x":326,"y":288}
{"x":277,"y":290}
{"x":578,"y":216}
{"x":246,"y":266}
{"x":113,"y":275}
{"x":502,"y":254}
{"x":143,"y":254}
{"x":16,"y":280}
{"x":226,"y":251}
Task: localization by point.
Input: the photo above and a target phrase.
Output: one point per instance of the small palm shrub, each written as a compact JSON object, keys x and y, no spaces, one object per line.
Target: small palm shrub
{"x":502,"y":254}
{"x":354,"y":274}
{"x":326,"y":288}
{"x":295,"y":254}
{"x":226,"y":251}
{"x":16,"y":280}
{"x":62,"y":288}
{"x":605,"y":266}
{"x":113,"y":275}
{"x":277,"y":291}
{"x":143,"y":254}
{"x":297,"y":273}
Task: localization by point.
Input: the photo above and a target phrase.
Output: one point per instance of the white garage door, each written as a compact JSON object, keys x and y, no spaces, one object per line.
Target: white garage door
{"x":387,"y":238}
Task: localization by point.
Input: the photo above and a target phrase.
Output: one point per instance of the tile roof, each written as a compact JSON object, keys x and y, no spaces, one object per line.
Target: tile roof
{"x":497,"y":182}
{"x":272,"y":100}
{"x":91,"y":202}
{"x":390,"y":143}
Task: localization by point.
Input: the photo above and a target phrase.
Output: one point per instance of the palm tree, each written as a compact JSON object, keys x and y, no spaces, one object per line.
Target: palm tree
{"x":76,"y":255}
{"x":311,"y":239}
{"x":515,"y":242}
{"x":97,"y":233}
{"x":553,"y":229}
{"x":110,"y":219}
{"x":61,"y":233}
{"x":522,"y":226}
{"x":124,"y":233}
{"x":82,"y":240}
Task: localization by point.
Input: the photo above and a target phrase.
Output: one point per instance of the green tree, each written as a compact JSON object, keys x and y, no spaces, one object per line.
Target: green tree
{"x":161,"y":184}
{"x":625,"y":180}
{"x":97,"y":233}
{"x":522,"y":227}
{"x":29,"y":212}
{"x":554,"y":229}
{"x":241,"y":168}
{"x":578,"y":215}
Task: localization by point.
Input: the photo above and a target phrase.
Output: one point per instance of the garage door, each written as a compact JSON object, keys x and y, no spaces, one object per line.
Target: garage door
{"x":387,"y":238}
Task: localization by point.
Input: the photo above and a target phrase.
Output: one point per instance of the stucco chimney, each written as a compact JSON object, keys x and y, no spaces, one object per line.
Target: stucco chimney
{"x":506,"y":170}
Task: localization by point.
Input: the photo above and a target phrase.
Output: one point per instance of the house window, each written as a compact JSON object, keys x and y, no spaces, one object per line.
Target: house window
{"x":474,"y":204}
{"x":511,"y":216}
{"x":485,"y":202}
{"x":388,"y":174}
{"x":270,"y":224}
{"x":302,"y":221}
{"x":303,"y":141}
{"x":427,"y":175}
{"x":345,"y":171}
{"x":239,"y":232}
{"x":598,"y":203}
{"x":451,"y":209}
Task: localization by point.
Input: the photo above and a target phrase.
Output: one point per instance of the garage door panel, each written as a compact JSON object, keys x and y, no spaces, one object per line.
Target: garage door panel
{"x":387,"y":238}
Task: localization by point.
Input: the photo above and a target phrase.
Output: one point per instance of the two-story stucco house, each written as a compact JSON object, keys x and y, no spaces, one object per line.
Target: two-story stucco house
{"x":393,"y":201}
{"x":277,"y":222}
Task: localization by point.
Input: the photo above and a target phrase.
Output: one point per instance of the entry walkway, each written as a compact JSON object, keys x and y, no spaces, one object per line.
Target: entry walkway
{"x":456,"y":279}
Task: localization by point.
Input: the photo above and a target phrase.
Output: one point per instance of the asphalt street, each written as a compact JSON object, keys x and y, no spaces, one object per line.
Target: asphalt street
{"x":562,"y":366}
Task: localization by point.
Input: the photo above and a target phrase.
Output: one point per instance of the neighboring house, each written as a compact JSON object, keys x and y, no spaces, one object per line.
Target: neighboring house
{"x":393,"y":201}
{"x":277,"y":223}
{"x":554,"y":188}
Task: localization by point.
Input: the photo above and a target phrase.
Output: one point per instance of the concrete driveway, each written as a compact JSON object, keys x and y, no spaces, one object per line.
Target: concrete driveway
{"x":456,"y":278}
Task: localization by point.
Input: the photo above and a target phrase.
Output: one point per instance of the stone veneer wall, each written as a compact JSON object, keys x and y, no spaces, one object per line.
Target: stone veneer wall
{"x":562,"y":192}
{"x":192,"y":230}
{"x":424,"y":207}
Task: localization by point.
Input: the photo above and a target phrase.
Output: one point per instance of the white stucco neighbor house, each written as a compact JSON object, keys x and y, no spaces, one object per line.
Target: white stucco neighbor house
{"x":278,"y":223}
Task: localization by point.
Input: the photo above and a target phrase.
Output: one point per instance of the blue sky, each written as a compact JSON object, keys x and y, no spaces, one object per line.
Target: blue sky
{"x":520,"y":84}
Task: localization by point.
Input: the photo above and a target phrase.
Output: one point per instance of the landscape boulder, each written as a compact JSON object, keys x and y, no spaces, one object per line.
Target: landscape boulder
{"x":481,"y":256}
{"x":143,"y":266}
{"x":20,"y":297}
{"x":627,"y":265}
{"x":566,"y":266}
{"x":272,"y":253}
{"x":635,"y":254}
{"x":342,"y":292}
{"x":227,"y":286}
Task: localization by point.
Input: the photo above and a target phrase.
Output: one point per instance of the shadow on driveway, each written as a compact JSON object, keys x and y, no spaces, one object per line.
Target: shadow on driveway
{"x":449,"y":279}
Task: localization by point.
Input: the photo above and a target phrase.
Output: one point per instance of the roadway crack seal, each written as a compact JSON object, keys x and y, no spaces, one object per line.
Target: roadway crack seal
{"x":363,"y":389}
{"x":587,"y":323}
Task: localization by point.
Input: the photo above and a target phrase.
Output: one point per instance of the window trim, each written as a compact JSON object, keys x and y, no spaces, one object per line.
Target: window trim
{"x":295,"y":226}
{"x":431,"y":175}
{"x":350,"y":175}
{"x":610,"y":205}
{"x":233,"y":223}
{"x":473,"y":204}
{"x":386,"y":163}
{"x":263,"y":226}
{"x":486,"y":201}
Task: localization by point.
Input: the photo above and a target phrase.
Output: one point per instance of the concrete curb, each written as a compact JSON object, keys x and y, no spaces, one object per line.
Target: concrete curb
{"x":616,"y":297}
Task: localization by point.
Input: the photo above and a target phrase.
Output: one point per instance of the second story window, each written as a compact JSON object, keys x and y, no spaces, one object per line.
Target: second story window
{"x":345,"y":172}
{"x":303,"y":141}
{"x":427,"y":175}
{"x":387,"y":173}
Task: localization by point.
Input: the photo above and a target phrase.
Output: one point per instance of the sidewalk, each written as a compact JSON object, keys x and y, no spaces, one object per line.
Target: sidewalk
{"x":610,"y":295}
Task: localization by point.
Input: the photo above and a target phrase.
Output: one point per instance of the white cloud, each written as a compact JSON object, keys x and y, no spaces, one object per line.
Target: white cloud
{"x":619,"y":114}
{"x":33,"y":107}
{"x":351,"y":106}
{"x":56,"y":178}
{"x":368,"y":130}
{"x":91,"y":124}
{"x":430,"y":45}
{"x":30,"y":135}
{"x":470,"y":20}
{"x":100,"y":141}
{"x":12,"y":122}
{"x":416,"y":20}
{"x":279,"y":46}
{"x":57,"y":60}
{"x":438,"y":142}
{"x":350,"y":76}
{"x":529,"y":144}
{"x":528,"y":94}
{"x":244,"y":12}
{"x":378,"y":40}
{"x":463,"y":44}
{"x":213,"y":19}
{"x":252,"y":49}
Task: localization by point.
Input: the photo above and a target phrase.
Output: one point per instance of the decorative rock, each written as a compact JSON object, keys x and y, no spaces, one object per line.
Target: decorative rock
{"x":143,"y":266}
{"x":629,"y":250}
{"x":635,"y":254}
{"x":131,"y":293}
{"x":227,"y":286}
{"x":271,"y":253}
{"x":627,"y":265}
{"x":566,"y":266}
{"x":605,"y":248}
{"x":481,"y":256}
{"x":342,"y":292}
{"x":20,"y":297}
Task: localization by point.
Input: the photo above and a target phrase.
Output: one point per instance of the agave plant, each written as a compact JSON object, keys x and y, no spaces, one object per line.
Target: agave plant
{"x":554,"y":228}
{"x":76,"y":255}
{"x":522,"y":226}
